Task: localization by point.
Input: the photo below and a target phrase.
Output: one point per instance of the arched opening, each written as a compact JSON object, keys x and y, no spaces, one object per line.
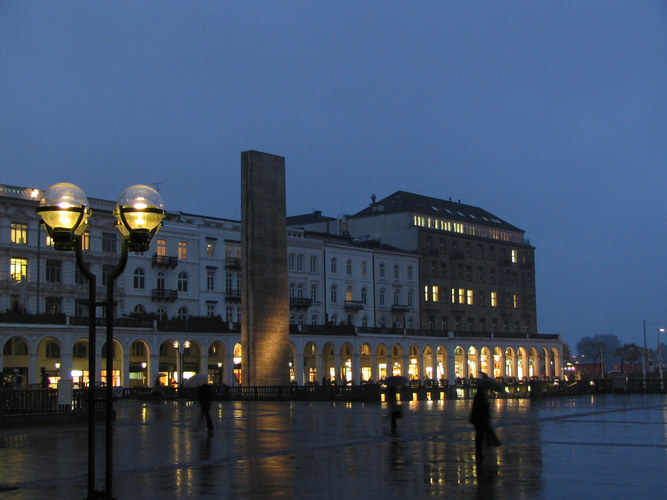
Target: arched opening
{"x":116,"y":363}
{"x":310,"y":363}
{"x":15,"y":362}
{"x":216,"y":362}
{"x":382,"y":362}
{"x":48,"y":357}
{"x":346,"y":375}
{"x":509,"y":363}
{"x":397,"y":367}
{"x":139,"y":357}
{"x":473,"y":363}
{"x":328,"y":364}
{"x":459,"y":362}
{"x":365,"y":362}
{"x":238,"y":361}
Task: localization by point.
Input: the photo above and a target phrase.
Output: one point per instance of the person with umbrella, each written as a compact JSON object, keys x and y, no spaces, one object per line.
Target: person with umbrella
{"x":480,"y":417}
{"x":395,"y":409}
{"x":200,"y":383}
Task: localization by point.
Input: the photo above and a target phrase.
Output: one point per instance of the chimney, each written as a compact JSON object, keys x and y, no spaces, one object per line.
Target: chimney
{"x":373,"y":199}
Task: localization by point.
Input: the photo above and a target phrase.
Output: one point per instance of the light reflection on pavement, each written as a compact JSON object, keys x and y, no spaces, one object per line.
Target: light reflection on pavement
{"x":603,"y":446}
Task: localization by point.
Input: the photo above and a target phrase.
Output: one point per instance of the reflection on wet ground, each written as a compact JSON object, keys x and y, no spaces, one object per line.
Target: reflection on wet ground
{"x":609,"y":446}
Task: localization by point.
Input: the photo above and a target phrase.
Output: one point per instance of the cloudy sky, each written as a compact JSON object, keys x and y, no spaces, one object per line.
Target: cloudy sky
{"x":550,"y":114}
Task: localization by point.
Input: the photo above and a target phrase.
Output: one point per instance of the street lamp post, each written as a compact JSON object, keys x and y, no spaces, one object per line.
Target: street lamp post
{"x":181,"y":347}
{"x":64,"y":211}
{"x":659,"y":355}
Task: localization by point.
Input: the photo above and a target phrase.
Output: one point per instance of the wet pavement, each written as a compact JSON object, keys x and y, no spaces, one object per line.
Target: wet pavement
{"x":608,"y":446}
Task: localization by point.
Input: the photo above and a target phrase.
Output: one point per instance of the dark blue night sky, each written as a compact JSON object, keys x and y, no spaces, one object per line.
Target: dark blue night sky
{"x":551,"y":115}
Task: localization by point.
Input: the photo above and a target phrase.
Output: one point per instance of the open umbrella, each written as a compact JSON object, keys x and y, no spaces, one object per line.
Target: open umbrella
{"x":488,"y":383}
{"x":196,"y":380}
{"x":396,"y":380}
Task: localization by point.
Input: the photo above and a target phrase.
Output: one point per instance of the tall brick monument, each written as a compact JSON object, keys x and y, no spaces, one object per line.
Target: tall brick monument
{"x":265,"y":299}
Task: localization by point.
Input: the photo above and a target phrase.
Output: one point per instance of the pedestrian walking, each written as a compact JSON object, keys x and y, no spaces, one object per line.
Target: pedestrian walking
{"x":44,"y":379}
{"x":204,"y":393}
{"x":480,"y":417}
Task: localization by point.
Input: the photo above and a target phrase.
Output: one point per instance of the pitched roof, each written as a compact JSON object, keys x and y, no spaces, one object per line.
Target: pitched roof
{"x":312,"y":218}
{"x":402,"y":201}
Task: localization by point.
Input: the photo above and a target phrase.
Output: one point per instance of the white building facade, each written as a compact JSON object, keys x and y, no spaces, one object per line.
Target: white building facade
{"x":354,"y":308}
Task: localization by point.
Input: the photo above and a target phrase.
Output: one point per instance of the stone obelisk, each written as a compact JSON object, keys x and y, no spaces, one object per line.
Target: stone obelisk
{"x":265,"y":299}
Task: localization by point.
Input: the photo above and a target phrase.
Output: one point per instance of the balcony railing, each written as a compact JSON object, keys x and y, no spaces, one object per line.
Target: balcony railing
{"x":355,"y":305}
{"x":232,"y":263}
{"x":35,"y":319}
{"x":164,"y":261}
{"x":163,"y":294}
{"x":232,"y":295}
{"x":300,"y":302}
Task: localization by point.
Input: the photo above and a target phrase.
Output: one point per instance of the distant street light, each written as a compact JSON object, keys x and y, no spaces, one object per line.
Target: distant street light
{"x":181,"y":347}
{"x":660,"y":330}
{"x":64,"y":211}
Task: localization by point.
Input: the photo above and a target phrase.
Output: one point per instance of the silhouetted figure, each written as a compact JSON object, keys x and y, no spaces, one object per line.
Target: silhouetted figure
{"x":45,"y":379}
{"x":480,"y":417}
{"x":205,"y":404}
{"x":395,"y":410}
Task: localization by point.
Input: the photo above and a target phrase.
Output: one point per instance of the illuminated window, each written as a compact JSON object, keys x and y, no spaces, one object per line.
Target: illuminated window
{"x":85,"y":241}
{"x":210,"y":248}
{"x":462,"y":296}
{"x":53,"y":305}
{"x":435,"y":294}
{"x":182,"y":250}
{"x":425,"y":293}
{"x":162,"y":247}
{"x":348,"y":294}
{"x":515,"y":301}
{"x":469,"y":297}
{"x":515,"y":257}
{"x":49,"y":241}
{"x":18,"y":268}
{"x":494,"y":299}
{"x":19,"y":233}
